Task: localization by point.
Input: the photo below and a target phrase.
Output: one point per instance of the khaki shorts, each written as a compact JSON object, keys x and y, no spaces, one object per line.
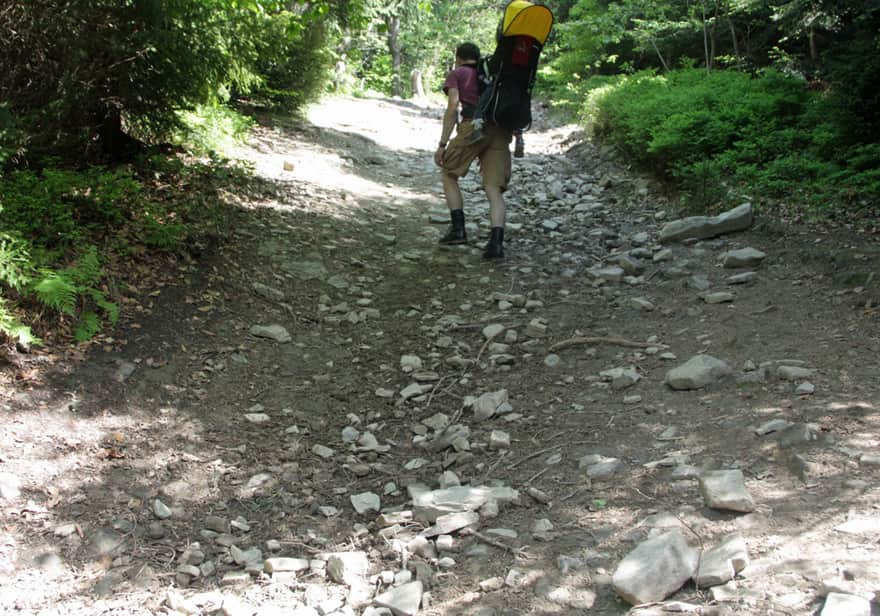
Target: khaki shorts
{"x":493,"y":150}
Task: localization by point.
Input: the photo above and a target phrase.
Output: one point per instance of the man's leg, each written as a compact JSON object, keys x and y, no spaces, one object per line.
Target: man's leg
{"x":456,"y":233}
{"x":495,"y":167}
{"x":497,"y":216}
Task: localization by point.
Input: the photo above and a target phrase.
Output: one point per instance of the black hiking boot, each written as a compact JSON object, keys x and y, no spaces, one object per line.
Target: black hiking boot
{"x":495,"y":247}
{"x":456,"y":233}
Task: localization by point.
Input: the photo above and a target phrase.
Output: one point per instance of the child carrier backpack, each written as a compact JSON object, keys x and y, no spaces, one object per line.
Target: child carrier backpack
{"x":507,"y":77}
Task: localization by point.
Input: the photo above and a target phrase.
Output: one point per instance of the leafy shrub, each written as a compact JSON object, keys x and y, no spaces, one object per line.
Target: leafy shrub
{"x":54,"y":206}
{"x":727,"y":132}
{"x":73,"y":291}
{"x":212,"y":129}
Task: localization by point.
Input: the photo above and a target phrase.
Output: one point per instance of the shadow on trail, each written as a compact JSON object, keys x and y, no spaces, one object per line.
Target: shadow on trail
{"x":187,"y":406}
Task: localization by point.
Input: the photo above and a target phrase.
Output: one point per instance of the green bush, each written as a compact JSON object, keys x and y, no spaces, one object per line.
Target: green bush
{"x":54,"y":206}
{"x":210,"y":129}
{"x":719,"y":135}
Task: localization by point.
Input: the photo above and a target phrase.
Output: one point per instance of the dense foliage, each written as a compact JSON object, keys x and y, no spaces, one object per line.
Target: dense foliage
{"x":781,"y":105}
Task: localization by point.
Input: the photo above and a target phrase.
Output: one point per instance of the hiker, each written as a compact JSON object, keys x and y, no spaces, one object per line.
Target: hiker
{"x":455,"y":156}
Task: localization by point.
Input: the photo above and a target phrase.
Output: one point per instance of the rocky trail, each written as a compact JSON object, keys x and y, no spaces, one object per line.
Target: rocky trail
{"x":335,"y":416}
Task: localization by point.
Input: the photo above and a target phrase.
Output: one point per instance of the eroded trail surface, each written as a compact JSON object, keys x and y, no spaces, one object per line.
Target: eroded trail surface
{"x":336,"y":416}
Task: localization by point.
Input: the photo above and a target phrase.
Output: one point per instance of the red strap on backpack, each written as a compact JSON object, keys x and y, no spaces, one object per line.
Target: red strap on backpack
{"x":522,"y":47}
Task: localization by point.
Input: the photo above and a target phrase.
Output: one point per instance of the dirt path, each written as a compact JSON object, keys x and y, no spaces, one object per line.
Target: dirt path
{"x":330,"y":357}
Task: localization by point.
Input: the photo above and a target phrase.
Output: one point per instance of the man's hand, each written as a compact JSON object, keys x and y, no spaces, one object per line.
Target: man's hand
{"x":439,"y":153}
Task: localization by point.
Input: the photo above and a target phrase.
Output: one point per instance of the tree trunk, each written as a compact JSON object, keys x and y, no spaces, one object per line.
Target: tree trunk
{"x":659,"y":55}
{"x":393,"y":23}
{"x":116,"y":144}
{"x":418,"y":91}
{"x":706,"y":39}
{"x":733,"y":38}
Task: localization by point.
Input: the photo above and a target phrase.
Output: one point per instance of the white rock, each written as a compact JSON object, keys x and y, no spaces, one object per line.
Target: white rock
{"x":402,"y":600}
{"x":274,"y":332}
{"x":272,"y":565}
{"x":365,"y":502}
{"x":837,"y":604}
{"x":698,"y":372}
{"x":726,"y":489}
{"x":655,"y":569}
{"x":161,"y":510}
{"x":347,"y":567}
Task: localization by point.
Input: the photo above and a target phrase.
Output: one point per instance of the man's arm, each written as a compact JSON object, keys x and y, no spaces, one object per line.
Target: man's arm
{"x":450,"y":119}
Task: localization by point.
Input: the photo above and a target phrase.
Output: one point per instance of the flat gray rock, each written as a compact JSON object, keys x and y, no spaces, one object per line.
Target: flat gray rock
{"x":743,"y":257}
{"x":839,"y":604}
{"x":720,"y":564}
{"x":655,"y":569}
{"x":273,"y":332}
{"x":704,"y":227}
{"x":726,"y":490}
{"x":403,"y":600}
{"x":698,"y":372}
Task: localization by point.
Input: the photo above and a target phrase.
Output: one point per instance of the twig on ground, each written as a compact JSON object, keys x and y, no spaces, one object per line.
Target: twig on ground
{"x":535,"y":455}
{"x":603,"y":340}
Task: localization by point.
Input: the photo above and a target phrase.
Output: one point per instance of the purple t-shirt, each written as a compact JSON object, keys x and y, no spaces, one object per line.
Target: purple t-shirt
{"x":464,"y":79}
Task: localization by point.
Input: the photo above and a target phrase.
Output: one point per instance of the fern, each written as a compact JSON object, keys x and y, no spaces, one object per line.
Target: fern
{"x":13,"y":328}
{"x":88,"y":268}
{"x":15,"y":262}
{"x":89,"y":325}
{"x":57,"y":291}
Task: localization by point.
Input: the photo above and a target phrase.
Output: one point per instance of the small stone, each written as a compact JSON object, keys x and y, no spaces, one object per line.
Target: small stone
{"x":274,"y":565}
{"x":273,"y":332}
{"x":402,"y":600}
{"x":217,"y":524}
{"x":499,"y":439}
{"x":365,"y":502}
{"x":838,"y":604}
{"x":161,"y":510}
{"x":552,"y":360}
{"x":322,"y":451}
{"x":725,"y":489}
{"x":347,"y":567}
{"x":491,"y":331}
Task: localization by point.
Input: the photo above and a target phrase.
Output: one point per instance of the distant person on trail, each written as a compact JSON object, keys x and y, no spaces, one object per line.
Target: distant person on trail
{"x":455,"y":157}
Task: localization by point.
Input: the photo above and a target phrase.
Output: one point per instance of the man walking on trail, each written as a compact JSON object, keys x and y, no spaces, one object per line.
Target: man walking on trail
{"x":455,"y":157}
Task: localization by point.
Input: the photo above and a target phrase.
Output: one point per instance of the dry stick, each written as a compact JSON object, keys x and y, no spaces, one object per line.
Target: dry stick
{"x":536,"y":475}
{"x":520,"y":552}
{"x":535,"y":455}
{"x":602,"y":340}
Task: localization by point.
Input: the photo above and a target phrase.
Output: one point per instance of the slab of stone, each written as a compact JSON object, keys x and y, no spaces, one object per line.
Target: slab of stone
{"x":491,"y":403}
{"x":451,"y":522}
{"x":428,"y":505}
{"x":793,"y":373}
{"x":726,"y":489}
{"x":720,"y":564}
{"x":347,"y":567}
{"x":402,"y":600}
{"x":621,"y":378}
{"x":704,"y":227}
{"x":718,"y":297}
{"x":273,"y":332}
{"x":610,"y":274}
{"x":655,"y":569}
{"x":839,"y":604}
{"x":743,"y":257}
{"x":281,"y":564}
{"x":698,"y":372}
{"x":365,"y":502}
{"x":742,"y":278}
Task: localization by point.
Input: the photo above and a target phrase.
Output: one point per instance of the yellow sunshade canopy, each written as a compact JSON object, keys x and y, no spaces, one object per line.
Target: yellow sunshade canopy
{"x":524,"y":18}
